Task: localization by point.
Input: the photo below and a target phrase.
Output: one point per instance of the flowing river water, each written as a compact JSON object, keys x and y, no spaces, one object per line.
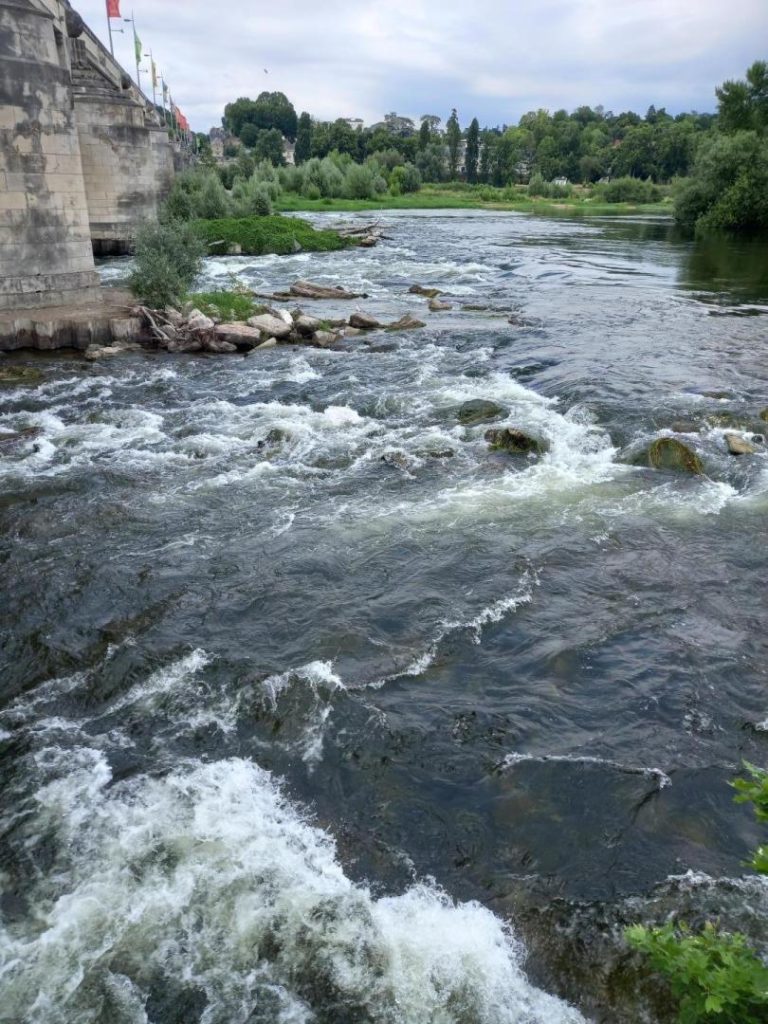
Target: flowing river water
{"x":313,"y":708}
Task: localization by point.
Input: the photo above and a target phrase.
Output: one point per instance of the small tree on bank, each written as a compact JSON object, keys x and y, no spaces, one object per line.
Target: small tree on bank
{"x":473,"y":150}
{"x":453,"y":138}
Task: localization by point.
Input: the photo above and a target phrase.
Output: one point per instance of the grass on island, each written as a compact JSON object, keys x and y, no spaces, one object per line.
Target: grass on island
{"x":228,"y":306}
{"x":263,"y":236}
{"x":471,"y":198}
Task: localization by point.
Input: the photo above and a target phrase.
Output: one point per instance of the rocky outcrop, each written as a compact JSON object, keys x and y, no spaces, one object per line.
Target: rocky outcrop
{"x":478,"y":410}
{"x":516,"y":442}
{"x":437,"y":306}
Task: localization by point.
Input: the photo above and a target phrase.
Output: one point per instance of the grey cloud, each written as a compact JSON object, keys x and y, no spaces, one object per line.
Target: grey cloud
{"x":490,"y":58}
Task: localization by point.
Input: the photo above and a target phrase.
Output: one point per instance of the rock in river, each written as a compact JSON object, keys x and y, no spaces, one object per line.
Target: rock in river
{"x":738,"y":445}
{"x":428,"y":293}
{"x":669,"y":453}
{"x":271,"y":326}
{"x":363,"y":322}
{"x":516,"y":442}
{"x":478,"y":410}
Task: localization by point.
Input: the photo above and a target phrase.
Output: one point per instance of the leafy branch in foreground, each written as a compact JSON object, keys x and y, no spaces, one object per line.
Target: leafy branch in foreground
{"x":715,"y":975}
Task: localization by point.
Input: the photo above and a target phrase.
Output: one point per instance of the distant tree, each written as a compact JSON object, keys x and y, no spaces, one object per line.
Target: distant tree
{"x":425,"y":135}
{"x":473,"y":150}
{"x":398,"y":125}
{"x":249,"y":135}
{"x":343,"y":138}
{"x":743,"y":105}
{"x":303,"y":139}
{"x":269,"y":146}
{"x":453,"y":138}
{"x":431,"y":162}
{"x":432,"y":120}
{"x":270,"y":110}
{"x":728,"y":189}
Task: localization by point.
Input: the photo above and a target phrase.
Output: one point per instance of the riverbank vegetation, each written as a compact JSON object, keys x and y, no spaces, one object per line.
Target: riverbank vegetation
{"x":715,"y":165}
{"x":716,"y":977}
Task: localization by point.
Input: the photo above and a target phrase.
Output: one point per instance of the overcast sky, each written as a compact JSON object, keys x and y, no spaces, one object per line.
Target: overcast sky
{"x":494,"y":59}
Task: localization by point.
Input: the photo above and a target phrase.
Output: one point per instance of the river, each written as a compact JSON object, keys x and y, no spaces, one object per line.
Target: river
{"x":312,"y":707}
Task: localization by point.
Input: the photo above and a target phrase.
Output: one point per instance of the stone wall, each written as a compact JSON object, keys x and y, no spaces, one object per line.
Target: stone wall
{"x":45,"y":245}
{"x":127,"y":168}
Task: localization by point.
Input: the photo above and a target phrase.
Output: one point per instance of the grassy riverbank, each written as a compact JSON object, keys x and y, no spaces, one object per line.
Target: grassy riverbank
{"x":429,"y":198}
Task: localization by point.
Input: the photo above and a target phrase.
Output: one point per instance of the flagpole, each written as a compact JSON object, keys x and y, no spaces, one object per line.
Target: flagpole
{"x":153,"y":72}
{"x":136,"y":51}
{"x":109,"y":26}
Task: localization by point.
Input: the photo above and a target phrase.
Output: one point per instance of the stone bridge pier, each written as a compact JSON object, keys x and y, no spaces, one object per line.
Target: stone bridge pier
{"x":84,"y":158}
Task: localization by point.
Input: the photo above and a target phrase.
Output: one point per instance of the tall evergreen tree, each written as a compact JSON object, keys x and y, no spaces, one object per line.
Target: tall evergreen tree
{"x":303,"y":139}
{"x":424,"y":135}
{"x":453,"y":138}
{"x":473,"y":150}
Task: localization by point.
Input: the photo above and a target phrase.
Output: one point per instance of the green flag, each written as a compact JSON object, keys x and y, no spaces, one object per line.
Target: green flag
{"x":137,"y":46}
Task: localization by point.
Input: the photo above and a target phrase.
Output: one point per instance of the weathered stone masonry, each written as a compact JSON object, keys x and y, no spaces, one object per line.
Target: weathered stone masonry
{"x":83,"y":159}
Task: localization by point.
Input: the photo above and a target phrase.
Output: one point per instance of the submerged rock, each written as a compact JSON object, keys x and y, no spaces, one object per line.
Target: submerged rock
{"x":398,"y":460}
{"x":11,"y":376}
{"x":428,"y":293}
{"x":7,"y":440}
{"x":516,"y":442}
{"x":669,"y":453}
{"x":763,"y":414}
{"x":738,"y":445}
{"x":478,"y":410}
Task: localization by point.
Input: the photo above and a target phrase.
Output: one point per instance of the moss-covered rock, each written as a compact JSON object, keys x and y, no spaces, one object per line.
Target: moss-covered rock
{"x":13,"y":376}
{"x":670,"y":454}
{"x":516,"y":442}
{"x":478,"y":410}
{"x":764,"y":415}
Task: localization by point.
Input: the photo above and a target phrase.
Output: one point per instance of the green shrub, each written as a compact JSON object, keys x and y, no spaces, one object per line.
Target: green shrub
{"x":406,"y":178}
{"x":213,"y":199}
{"x":714,"y":975}
{"x":628,"y":190}
{"x":728,"y":190}
{"x":168,"y":257}
{"x":250,"y":199}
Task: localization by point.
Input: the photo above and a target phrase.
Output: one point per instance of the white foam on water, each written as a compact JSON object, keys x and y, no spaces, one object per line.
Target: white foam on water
{"x":321,"y":683}
{"x":475,"y":625}
{"x":208,"y":878}
{"x":657,"y":775}
{"x":165,"y":681}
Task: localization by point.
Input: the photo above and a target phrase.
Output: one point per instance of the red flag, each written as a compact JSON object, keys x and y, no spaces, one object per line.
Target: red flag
{"x":113,"y":9}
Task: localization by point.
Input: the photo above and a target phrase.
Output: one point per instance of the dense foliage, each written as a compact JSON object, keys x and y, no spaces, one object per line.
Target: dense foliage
{"x":168,"y":257}
{"x":728,"y":188}
{"x":714,"y":975}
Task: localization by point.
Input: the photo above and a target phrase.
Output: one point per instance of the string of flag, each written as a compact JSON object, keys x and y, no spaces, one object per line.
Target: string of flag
{"x":171,"y":113}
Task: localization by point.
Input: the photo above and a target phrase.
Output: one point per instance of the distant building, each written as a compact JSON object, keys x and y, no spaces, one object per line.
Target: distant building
{"x":560,"y":181}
